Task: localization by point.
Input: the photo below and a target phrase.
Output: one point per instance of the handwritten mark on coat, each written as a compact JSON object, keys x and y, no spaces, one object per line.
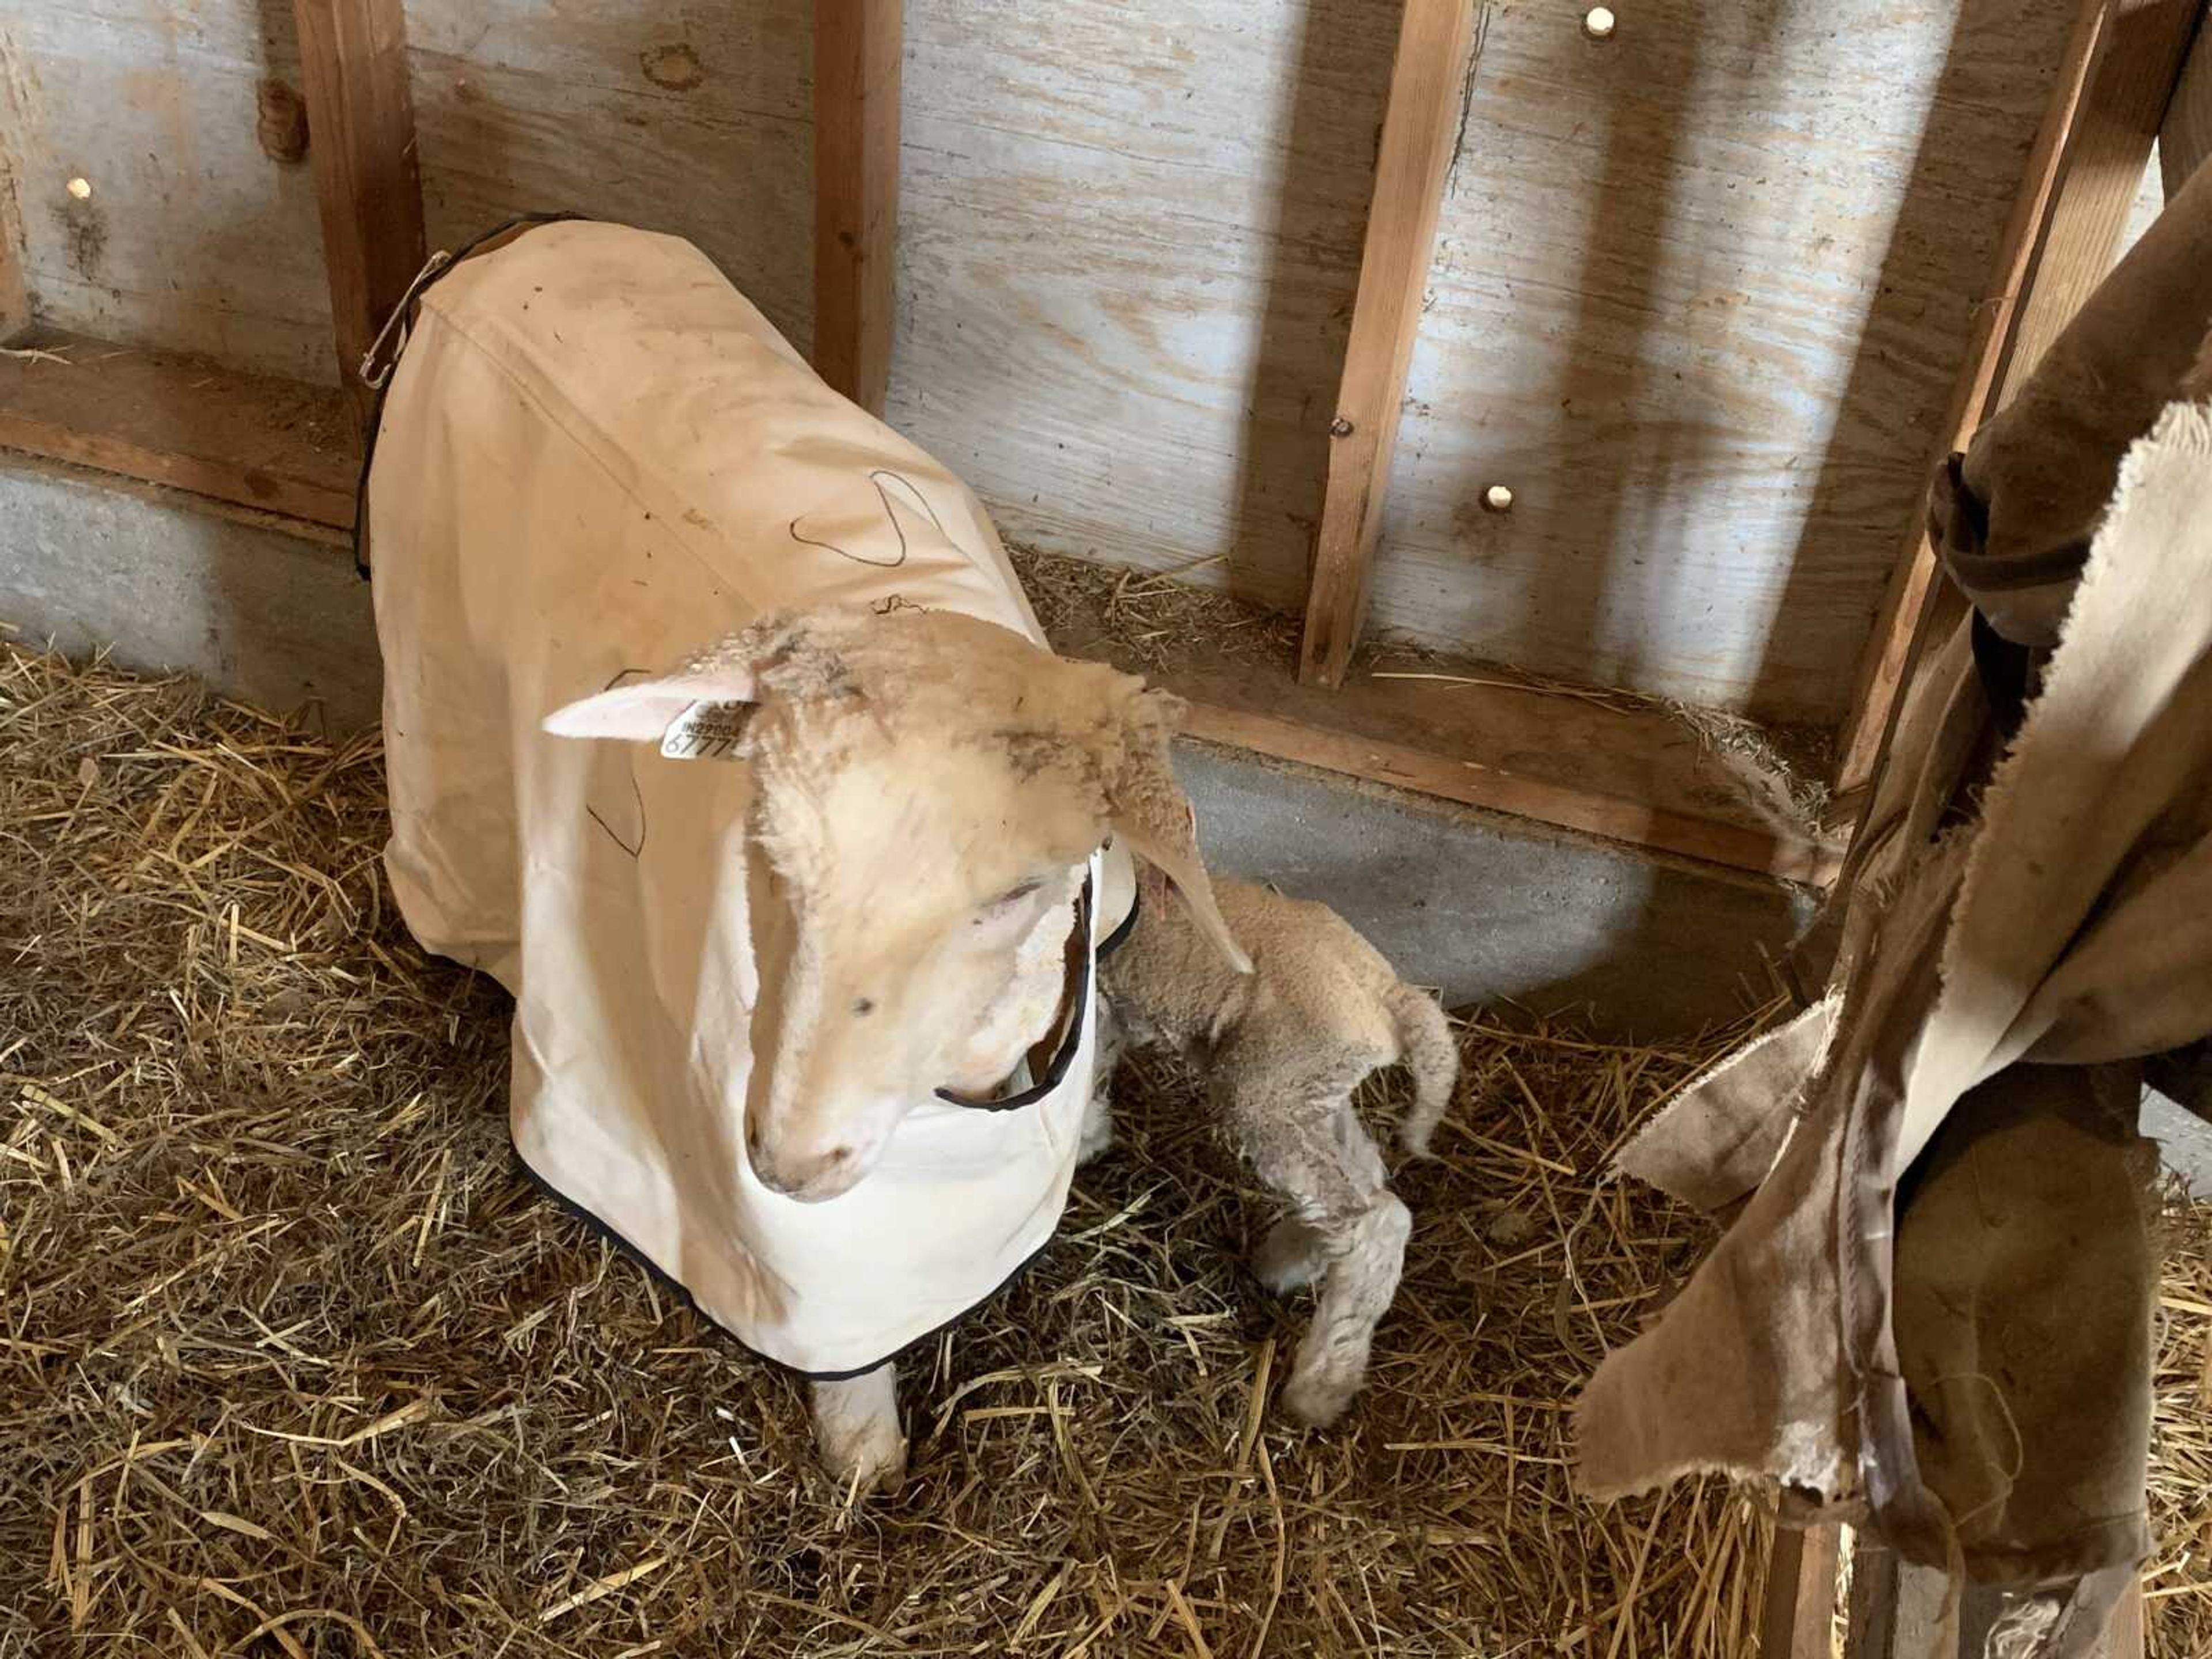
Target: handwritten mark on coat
{"x":635,"y":846}
{"x":883,"y":479}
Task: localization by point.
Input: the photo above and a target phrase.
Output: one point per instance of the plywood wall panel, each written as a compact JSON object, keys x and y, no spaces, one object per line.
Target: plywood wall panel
{"x":1128,"y":243}
{"x":192,"y":238}
{"x":1702,"y":290}
{"x":691,"y":118}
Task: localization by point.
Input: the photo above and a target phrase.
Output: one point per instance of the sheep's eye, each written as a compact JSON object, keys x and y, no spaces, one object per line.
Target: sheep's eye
{"x":1014,"y":894}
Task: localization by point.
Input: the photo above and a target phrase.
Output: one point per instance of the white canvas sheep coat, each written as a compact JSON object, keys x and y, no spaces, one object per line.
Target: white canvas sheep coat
{"x":594,"y":456}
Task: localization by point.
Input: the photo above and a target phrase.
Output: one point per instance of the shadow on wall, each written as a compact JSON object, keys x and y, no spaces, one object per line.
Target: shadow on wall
{"x":1613,"y":352}
{"x":1642,"y":948}
{"x":1548,"y":923}
{"x":1331,"y":132}
{"x":1867,"y":496}
{"x":1631,"y":431}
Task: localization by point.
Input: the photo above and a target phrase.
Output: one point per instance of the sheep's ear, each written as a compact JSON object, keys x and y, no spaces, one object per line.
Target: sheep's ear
{"x":1152,"y":816}
{"x":699,"y":711}
{"x":692,"y":715}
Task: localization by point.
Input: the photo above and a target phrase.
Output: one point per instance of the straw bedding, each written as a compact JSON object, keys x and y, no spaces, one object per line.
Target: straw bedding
{"x":293,"y":1361}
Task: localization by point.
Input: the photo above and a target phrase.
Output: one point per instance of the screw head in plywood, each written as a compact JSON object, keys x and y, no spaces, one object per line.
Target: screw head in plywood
{"x":1498,"y":498}
{"x":1598,"y":22}
{"x":81,"y":188}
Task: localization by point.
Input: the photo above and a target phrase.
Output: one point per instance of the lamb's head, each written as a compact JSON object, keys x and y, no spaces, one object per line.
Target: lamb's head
{"x":927,"y":789}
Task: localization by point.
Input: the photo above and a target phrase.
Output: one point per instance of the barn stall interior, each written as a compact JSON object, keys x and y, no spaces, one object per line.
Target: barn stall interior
{"x":1507,"y":425}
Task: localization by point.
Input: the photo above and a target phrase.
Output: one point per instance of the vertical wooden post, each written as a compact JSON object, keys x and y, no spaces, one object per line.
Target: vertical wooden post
{"x":2139,"y":62}
{"x":1870,"y":1622}
{"x":1798,"y":1620}
{"x":2090,"y":156}
{"x":856,"y":46}
{"x":2184,"y":137}
{"x":1419,"y":124}
{"x":361,"y":137}
{"x":1897,"y":624}
{"x":2127,"y":1636}
{"x":14,"y":293}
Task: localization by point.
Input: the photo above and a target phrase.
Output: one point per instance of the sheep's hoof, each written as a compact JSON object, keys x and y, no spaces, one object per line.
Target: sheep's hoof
{"x":1317,"y":1402}
{"x":865,"y":1456}
{"x":1289,"y":1256}
{"x":856,"y":1426}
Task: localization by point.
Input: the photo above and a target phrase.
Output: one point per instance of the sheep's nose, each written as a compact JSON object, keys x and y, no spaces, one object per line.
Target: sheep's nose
{"x":823,"y":1176}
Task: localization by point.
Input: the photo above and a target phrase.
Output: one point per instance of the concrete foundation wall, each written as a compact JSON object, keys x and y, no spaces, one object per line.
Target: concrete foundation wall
{"x":1492,"y":909}
{"x":88,"y":564}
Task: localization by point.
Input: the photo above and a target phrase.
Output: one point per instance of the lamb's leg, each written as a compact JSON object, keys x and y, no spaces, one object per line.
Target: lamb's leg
{"x":1355,"y":1293}
{"x":856,"y":1425}
{"x":1348,"y":1230}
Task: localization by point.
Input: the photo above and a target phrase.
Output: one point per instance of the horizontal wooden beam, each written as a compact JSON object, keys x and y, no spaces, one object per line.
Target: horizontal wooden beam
{"x":250,"y":440}
{"x":1420,"y":125}
{"x":857,"y":48}
{"x":361,"y":139}
{"x":1622,"y":768}
{"x":1582,"y":808}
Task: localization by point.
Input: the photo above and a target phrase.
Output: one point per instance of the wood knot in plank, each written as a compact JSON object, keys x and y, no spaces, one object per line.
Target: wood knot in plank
{"x":281,"y":123}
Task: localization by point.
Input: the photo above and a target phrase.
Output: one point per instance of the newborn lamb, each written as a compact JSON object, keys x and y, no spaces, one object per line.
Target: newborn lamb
{"x":1283,"y":1049}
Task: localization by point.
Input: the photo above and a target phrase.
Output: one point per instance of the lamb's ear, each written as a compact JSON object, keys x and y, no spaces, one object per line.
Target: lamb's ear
{"x":1152,"y":816}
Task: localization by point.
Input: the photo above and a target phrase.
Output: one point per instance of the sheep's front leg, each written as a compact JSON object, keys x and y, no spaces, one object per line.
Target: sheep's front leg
{"x":856,"y":1425}
{"x":1097,"y":1138}
{"x":1098,"y":1132}
{"x":1347,"y":1230}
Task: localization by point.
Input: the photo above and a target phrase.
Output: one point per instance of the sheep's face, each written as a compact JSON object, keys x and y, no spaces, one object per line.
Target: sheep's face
{"x":926,"y":792}
{"x":919,"y":897}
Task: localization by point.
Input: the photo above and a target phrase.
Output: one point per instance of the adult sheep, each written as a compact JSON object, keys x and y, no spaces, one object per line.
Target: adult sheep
{"x":804,"y":967}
